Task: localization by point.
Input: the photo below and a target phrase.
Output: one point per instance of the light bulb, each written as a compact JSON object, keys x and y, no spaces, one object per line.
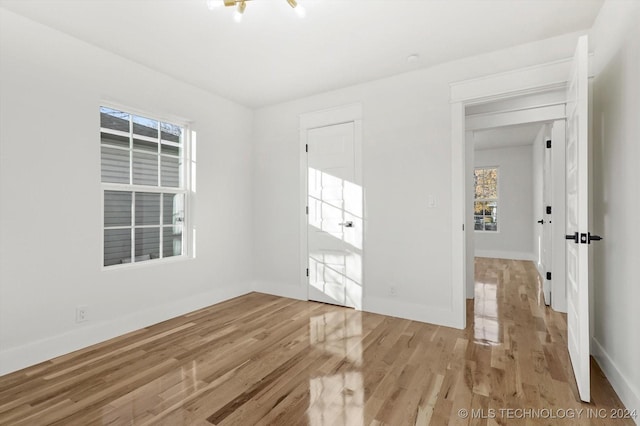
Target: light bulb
{"x":300,"y":11}
{"x":239,"y":11}
{"x":214,"y":4}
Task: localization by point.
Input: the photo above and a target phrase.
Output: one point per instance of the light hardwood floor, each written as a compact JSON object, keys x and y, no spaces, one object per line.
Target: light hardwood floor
{"x":261,"y":359}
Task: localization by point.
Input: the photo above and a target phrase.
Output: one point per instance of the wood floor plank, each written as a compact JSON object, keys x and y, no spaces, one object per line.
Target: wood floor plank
{"x":263,"y":360}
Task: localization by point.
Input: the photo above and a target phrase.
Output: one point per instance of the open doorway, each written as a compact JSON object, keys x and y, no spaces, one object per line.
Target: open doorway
{"x":511,"y":176}
{"x":571,"y":74}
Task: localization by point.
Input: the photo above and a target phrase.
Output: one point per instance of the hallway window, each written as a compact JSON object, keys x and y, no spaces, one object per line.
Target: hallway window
{"x":144,"y":187}
{"x":485,"y":206}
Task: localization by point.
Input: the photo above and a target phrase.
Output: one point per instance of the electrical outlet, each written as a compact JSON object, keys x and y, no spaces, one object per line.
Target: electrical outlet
{"x":393,"y":291}
{"x":81,"y":313}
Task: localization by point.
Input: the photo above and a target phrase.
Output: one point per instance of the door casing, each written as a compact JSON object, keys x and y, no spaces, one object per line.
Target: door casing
{"x":539,"y":78}
{"x":323,"y":118}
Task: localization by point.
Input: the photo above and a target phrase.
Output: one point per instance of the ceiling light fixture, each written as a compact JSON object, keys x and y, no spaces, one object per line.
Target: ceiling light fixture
{"x":242,"y":5}
{"x":214,"y":4}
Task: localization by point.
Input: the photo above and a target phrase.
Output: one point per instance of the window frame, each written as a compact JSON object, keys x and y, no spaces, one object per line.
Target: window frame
{"x":185,"y":189}
{"x":486,"y":200}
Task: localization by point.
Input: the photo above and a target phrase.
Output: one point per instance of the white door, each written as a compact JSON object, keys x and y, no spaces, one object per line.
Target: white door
{"x":577,"y":214}
{"x":546,"y":224}
{"x":334,"y":227}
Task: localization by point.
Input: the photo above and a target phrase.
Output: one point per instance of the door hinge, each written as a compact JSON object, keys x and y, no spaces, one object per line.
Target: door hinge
{"x":463,"y":226}
{"x":306,"y":148}
{"x":307,"y":209}
{"x":548,"y":143}
{"x":307,"y":271}
{"x":549,"y":276}
{"x":548,"y":209}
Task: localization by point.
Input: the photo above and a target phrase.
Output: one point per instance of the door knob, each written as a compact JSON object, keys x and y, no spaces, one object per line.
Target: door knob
{"x":541,"y":221}
{"x":594,"y":238}
{"x":575,"y":237}
{"x":348,"y":224}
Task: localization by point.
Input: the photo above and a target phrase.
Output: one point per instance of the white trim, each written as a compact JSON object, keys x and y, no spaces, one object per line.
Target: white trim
{"x":627,"y":392}
{"x":275,"y":288}
{"x":187,"y":180}
{"x":504,"y":254}
{"x":16,"y":358}
{"x":470,"y":237}
{"x":331,"y":116}
{"x":351,"y":113}
{"x":145,"y":263}
{"x":412,"y":311}
{"x":550,"y":75}
{"x":558,"y":224}
{"x":521,"y":81}
{"x":458,"y":236}
{"x":167,"y":118}
{"x":510,"y":118}
{"x":303,"y":250}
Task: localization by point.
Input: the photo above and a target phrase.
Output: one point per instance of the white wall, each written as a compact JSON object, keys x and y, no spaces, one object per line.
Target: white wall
{"x":50,"y":229}
{"x":514,"y":239}
{"x":616,"y":197}
{"x":406,"y":158}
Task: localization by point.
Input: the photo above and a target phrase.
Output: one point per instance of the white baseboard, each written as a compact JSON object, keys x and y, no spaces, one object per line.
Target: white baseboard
{"x":412,"y":311}
{"x":500,"y":254}
{"x":541,"y":272}
{"x":383,"y":306}
{"x":627,"y":392}
{"x":277,"y":289}
{"x":20,"y":357}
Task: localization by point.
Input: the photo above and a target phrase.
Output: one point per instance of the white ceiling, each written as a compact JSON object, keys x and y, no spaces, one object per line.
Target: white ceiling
{"x":273,"y":55}
{"x":504,"y":137}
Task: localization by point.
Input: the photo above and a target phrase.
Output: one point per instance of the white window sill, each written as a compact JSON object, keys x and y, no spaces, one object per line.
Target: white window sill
{"x":146,"y":263}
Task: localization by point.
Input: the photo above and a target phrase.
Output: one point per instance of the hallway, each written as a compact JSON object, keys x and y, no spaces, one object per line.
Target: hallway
{"x":518,"y":356}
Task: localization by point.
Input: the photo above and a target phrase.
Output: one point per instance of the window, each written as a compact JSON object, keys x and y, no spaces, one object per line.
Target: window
{"x":485,"y":206}
{"x":143,"y":187}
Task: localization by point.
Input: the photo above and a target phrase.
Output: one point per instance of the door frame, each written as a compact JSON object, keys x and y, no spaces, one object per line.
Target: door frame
{"x":313,"y":120}
{"x":538,"y":78}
